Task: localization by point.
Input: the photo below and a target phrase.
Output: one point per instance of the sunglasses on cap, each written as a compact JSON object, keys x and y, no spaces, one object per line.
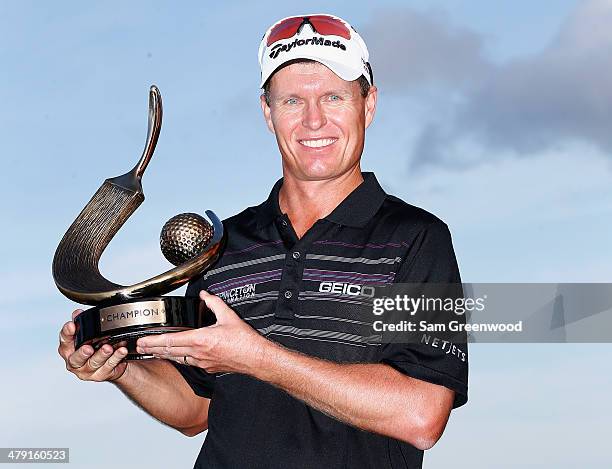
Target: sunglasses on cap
{"x":321,"y":24}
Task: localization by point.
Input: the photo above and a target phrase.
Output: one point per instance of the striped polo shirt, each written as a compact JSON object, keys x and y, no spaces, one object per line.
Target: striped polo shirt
{"x":310,"y":295}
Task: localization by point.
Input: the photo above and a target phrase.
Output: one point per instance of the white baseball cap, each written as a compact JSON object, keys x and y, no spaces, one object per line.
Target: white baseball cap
{"x":324,"y":38}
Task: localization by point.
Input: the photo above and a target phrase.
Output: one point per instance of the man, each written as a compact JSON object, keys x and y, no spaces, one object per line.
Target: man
{"x":289,"y":376}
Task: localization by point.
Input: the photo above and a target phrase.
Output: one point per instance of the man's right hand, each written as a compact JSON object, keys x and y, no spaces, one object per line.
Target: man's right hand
{"x":105,"y":364}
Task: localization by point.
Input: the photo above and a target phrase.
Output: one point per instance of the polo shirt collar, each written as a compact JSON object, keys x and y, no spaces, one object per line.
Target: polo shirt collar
{"x":355,"y":210}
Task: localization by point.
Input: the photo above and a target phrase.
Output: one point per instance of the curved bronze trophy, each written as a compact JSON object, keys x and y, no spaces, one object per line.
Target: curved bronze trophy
{"x":122,"y":314}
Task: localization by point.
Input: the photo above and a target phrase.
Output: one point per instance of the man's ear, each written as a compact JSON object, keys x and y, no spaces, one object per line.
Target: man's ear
{"x":370,"y":105}
{"x":267,"y":113}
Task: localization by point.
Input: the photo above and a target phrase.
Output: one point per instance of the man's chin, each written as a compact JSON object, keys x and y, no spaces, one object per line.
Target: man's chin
{"x":319,"y":173}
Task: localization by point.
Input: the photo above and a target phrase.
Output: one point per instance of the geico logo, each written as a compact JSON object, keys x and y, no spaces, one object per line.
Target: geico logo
{"x":346,"y":289}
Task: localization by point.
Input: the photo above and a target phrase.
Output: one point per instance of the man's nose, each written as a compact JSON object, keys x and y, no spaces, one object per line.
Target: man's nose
{"x":314,"y":116}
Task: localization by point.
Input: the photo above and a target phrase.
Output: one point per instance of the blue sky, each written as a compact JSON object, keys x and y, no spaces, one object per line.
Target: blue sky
{"x":492,"y":115}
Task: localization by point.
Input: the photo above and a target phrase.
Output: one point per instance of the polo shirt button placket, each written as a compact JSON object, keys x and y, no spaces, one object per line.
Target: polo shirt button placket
{"x":288,"y":288}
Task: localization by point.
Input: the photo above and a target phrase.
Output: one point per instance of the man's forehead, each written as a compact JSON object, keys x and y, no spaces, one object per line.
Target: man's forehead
{"x":309,"y":74}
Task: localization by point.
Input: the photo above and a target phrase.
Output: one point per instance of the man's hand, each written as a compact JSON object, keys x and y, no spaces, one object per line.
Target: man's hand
{"x":229,"y":345}
{"x":105,"y":364}
{"x":370,"y":396}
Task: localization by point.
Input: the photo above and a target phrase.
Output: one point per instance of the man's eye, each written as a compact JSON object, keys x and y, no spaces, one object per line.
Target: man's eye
{"x":292,"y":101}
{"x":334,"y":97}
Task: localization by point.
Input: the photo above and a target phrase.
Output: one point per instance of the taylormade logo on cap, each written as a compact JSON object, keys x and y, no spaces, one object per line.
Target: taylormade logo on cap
{"x":315,"y":41}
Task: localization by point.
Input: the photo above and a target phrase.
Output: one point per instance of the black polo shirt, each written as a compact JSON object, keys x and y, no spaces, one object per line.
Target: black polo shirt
{"x":282,"y":286}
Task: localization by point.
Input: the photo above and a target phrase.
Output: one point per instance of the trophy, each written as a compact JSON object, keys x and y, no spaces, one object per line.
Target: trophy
{"x":122,"y":314}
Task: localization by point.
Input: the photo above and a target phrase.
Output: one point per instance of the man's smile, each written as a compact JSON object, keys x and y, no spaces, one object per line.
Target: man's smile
{"x":318,"y":142}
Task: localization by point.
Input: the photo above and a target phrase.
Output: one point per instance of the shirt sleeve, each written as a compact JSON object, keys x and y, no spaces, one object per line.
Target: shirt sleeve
{"x":431,"y":259}
{"x":202,"y":383}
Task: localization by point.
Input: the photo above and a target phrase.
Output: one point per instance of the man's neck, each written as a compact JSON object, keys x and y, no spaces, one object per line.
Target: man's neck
{"x":305,"y":202}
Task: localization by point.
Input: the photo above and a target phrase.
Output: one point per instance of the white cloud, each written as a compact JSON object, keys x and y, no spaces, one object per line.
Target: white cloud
{"x":556,"y":96}
{"x":410,"y":48}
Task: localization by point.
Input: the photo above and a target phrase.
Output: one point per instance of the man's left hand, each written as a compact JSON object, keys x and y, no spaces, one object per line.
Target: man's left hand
{"x":229,"y":345}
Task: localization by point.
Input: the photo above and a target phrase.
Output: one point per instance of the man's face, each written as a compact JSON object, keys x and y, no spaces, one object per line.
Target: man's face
{"x":319,"y":120}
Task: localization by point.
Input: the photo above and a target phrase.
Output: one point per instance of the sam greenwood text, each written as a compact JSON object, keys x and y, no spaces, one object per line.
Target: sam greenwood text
{"x":451,"y":326}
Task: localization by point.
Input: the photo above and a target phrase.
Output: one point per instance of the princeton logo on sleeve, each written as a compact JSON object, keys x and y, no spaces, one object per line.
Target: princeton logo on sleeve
{"x":237,"y":294}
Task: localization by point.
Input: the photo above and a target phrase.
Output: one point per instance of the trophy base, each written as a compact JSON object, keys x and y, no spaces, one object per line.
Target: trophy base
{"x":121,"y":324}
